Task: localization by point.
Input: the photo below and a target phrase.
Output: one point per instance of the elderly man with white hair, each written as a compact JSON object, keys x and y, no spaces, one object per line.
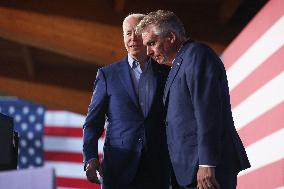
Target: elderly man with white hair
{"x":128,"y":94}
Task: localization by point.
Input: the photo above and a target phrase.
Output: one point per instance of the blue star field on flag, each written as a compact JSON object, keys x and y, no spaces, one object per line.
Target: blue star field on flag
{"x":28,"y":122}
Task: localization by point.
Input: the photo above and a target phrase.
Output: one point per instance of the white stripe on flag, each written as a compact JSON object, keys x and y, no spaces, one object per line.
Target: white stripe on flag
{"x":267,"y":97}
{"x":64,"y":118}
{"x":262,"y":49}
{"x":265,"y":151}
{"x":67,"y":169}
{"x":67,"y":144}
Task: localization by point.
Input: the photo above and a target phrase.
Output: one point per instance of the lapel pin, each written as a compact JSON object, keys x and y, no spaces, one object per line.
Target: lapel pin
{"x":178,"y":63}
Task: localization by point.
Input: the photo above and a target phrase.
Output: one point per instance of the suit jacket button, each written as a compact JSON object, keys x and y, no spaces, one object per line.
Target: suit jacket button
{"x":140,"y":140}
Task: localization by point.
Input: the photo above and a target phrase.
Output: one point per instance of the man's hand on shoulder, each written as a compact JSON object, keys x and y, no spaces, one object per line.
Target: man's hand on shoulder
{"x":91,"y":171}
{"x":206,"y":178}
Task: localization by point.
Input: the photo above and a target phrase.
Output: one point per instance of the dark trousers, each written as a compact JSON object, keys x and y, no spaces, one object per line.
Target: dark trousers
{"x":146,"y":177}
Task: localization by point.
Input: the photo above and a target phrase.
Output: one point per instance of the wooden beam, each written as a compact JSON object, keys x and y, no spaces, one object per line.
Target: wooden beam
{"x":28,"y":62}
{"x":52,"y":97}
{"x":87,"y":40}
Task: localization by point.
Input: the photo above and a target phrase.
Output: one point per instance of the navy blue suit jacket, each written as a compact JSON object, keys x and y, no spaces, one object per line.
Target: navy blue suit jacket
{"x":114,"y":99}
{"x":200,"y":127}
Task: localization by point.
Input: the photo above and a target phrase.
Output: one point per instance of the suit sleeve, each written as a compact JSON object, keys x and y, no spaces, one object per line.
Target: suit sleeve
{"x":203,"y":78}
{"x":95,"y":120}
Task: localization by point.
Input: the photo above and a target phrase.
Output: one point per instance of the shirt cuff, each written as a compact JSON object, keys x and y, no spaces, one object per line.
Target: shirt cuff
{"x":90,"y":160}
{"x":207,"y":166}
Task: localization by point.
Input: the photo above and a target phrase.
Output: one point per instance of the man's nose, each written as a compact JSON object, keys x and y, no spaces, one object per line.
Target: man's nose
{"x":149,"y":51}
{"x":133,"y":36}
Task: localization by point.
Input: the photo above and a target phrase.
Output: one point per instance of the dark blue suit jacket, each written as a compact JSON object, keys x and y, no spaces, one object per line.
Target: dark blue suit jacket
{"x":114,"y":99}
{"x":200,"y":127}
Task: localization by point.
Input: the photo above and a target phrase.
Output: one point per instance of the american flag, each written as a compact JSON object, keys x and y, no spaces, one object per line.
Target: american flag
{"x":28,"y":122}
{"x":49,"y":138}
{"x":63,"y":148}
{"x":255,"y":62}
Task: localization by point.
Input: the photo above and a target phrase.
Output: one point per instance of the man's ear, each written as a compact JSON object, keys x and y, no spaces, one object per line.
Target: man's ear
{"x":172,"y":37}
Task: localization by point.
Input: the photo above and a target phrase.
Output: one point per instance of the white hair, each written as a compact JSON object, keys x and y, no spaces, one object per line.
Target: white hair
{"x":138,"y":16}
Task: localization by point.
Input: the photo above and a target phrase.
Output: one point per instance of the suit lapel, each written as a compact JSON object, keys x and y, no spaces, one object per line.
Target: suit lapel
{"x":176,"y":65}
{"x":125,"y":77}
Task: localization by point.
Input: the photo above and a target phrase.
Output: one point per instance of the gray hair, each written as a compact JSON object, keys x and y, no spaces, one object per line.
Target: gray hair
{"x":164,"y":22}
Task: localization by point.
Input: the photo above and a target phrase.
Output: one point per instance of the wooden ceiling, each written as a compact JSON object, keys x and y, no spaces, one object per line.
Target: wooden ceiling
{"x":50,"y":50}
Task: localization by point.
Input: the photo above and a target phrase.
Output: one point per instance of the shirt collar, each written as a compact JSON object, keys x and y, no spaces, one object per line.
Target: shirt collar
{"x":134,"y":63}
{"x":131,"y":61}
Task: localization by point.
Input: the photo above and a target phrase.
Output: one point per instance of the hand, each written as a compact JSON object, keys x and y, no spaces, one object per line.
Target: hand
{"x":206,"y":178}
{"x":91,"y":171}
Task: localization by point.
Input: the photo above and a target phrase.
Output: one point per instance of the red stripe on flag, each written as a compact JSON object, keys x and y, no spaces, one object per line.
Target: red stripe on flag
{"x":75,"y":183}
{"x":256,"y":28}
{"x":263,"y":74}
{"x":62,"y":131}
{"x":65,"y":156}
{"x":270,"y":176}
{"x":65,"y":131}
{"x":263,"y":126}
